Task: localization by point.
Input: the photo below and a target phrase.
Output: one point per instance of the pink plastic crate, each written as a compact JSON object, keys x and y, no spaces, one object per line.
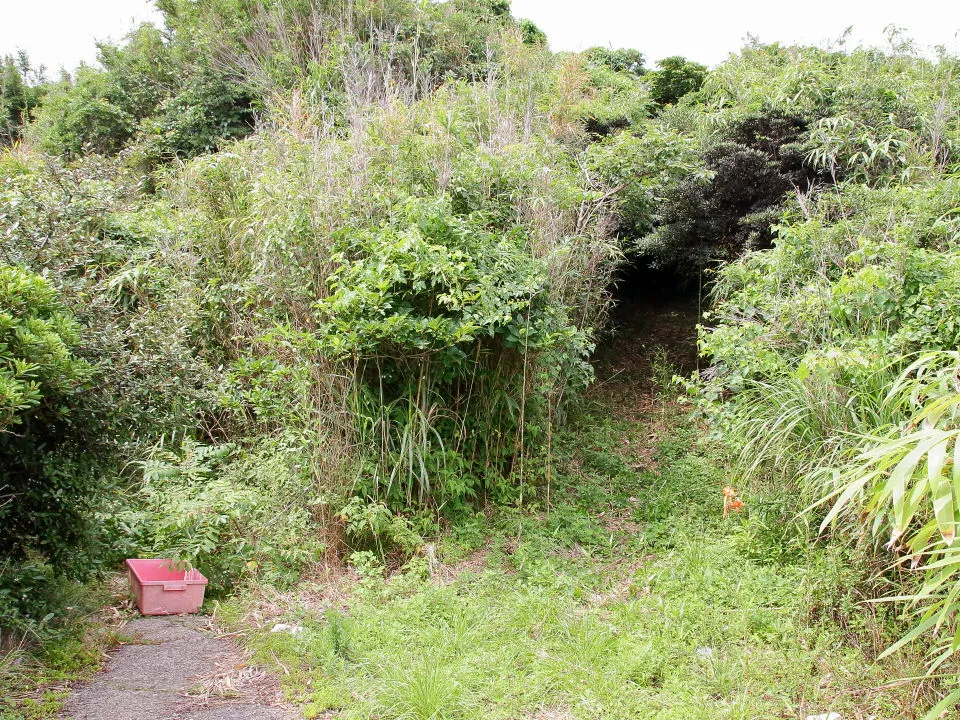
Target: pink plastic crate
{"x":160,"y":589}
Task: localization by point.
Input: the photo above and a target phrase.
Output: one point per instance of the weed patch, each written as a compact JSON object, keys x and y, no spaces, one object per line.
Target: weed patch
{"x":627,"y":596}
{"x":36,"y":673}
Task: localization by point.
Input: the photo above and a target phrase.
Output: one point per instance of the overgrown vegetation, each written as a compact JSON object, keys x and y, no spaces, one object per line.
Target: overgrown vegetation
{"x":832,"y":351}
{"x":287,"y":283}
{"x":627,"y":595}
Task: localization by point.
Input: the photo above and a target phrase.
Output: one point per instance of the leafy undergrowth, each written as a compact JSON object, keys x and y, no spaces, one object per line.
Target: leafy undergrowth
{"x":628,"y":596}
{"x":36,"y":674}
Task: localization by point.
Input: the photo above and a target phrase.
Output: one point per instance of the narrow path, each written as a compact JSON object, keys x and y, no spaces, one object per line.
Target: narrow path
{"x":178,"y":669}
{"x":646,"y":330}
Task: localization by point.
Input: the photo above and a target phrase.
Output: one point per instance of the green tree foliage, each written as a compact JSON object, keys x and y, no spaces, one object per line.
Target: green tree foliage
{"x":77,"y":223}
{"x":856,"y":276}
{"x":613,"y":97}
{"x":98,"y":110}
{"x":642,"y":168}
{"x":186,"y":90}
{"x":676,"y":78}
{"x":779,"y":120}
{"x":874,"y":117}
{"x":208,"y":111}
{"x":36,"y":341}
{"x":620,"y":60}
{"x":728,"y":210}
{"x":531,"y":34}
{"x":21,"y":92}
{"x":322,"y":49}
{"x":147,"y":90}
{"x":80,"y":116}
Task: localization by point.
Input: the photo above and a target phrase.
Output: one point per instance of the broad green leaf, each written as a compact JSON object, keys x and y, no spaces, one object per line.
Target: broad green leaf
{"x":941,"y":491}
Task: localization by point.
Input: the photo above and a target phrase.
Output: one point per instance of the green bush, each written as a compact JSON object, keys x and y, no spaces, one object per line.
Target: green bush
{"x":149,"y":90}
{"x":39,"y":377}
{"x":852,"y":284}
{"x":99,"y":110}
{"x":730,"y":207}
{"x":619,"y":60}
{"x":37,"y":370}
{"x":812,"y":342}
{"x":229,"y":513}
{"x":188,"y":90}
{"x":413,"y":348}
{"x":618,"y":98}
{"x":644,"y":165}
{"x":875,"y":117}
{"x":81,"y":116}
{"x":96,"y":365}
{"x":47,"y":487}
{"x":429,"y":304}
{"x":207,"y":112}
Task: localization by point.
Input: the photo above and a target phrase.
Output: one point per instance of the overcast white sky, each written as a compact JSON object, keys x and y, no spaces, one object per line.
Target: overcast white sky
{"x":709,"y":31}
{"x":62,"y":32}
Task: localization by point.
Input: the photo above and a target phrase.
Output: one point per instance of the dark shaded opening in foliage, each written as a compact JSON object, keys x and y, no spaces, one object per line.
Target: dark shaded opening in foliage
{"x":639,"y":283}
{"x":600,"y":129}
{"x":653,"y":321}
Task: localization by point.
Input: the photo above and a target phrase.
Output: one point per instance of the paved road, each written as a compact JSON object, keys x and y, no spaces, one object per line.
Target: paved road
{"x":179,"y":670}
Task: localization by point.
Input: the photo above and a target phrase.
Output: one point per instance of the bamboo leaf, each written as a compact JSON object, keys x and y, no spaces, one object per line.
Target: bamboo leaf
{"x":948,"y":702}
{"x":941,"y":491}
{"x":899,"y":479}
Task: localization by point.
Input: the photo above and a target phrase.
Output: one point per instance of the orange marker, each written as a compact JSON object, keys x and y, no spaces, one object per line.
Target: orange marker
{"x":731,"y":503}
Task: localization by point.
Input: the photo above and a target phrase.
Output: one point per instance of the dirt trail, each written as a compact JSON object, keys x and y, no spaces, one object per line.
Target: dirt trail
{"x":643,"y":327}
{"x":179,"y":669}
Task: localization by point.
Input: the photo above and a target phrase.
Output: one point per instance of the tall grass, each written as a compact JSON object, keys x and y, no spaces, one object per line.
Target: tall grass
{"x":802,"y":423}
{"x":903,"y":484}
{"x":879,"y":460}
